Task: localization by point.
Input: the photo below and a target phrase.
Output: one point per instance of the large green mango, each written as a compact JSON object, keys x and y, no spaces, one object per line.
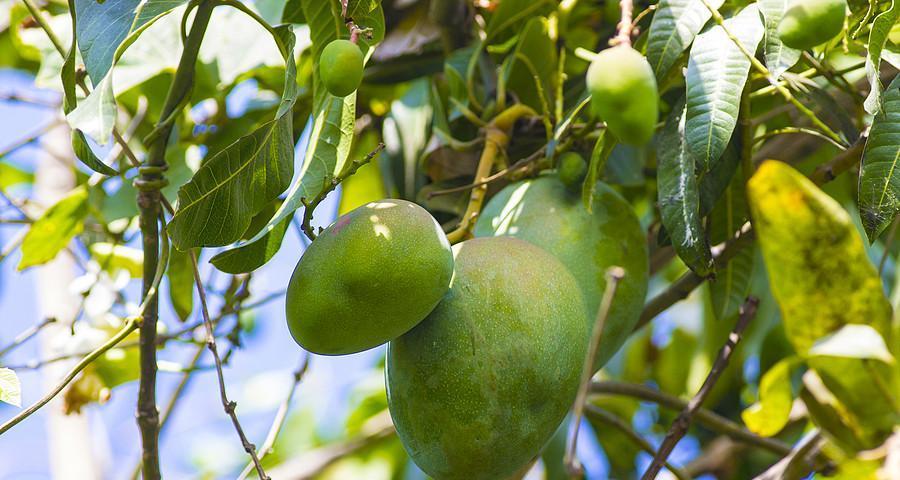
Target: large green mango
{"x":479,"y":386}
{"x":371,"y":276}
{"x":542,"y":211}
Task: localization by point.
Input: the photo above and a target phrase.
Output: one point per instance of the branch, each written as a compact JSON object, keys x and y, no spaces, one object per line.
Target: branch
{"x":129,"y":327}
{"x":280,"y":417}
{"x":329,"y":186}
{"x":799,"y":463}
{"x":625,"y":26}
{"x":608,"y":418}
{"x":211,"y":344}
{"x":26,"y":335}
{"x":681,"y":424}
{"x":707,"y":418}
{"x":613,"y":276}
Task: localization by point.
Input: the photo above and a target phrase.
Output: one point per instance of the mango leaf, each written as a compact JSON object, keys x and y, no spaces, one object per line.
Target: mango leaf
{"x":716,"y":73}
{"x":773,"y":410}
{"x":181,"y":283}
{"x":530,"y":70}
{"x":878,"y":37}
{"x":832,"y":416}
{"x":818,"y":268}
{"x":10,"y":388}
{"x":103,"y":26}
{"x":679,"y":198}
{"x":674,"y":26}
{"x":511,"y":15}
{"x":254,"y":255}
{"x":366,"y":185}
{"x":104,"y":31}
{"x":856,"y":367}
{"x":732,"y":283}
{"x":11,"y":175}
{"x":779,"y":57}
{"x":596,"y":165}
{"x":333,"y":117}
{"x":217,"y":205}
{"x":50,"y":233}
{"x":879,"y":177}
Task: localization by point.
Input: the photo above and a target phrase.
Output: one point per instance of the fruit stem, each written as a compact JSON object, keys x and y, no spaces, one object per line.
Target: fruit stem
{"x":623,"y":32}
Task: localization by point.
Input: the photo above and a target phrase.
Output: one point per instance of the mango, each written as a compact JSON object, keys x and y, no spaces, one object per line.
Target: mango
{"x":372,"y":275}
{"x":479,"y":387}
{"x":624,"y":93}
{"x":544,"y":212}
{"x":571,"y":168}
{"x":341,"y":67}
{"x":808,"y":23}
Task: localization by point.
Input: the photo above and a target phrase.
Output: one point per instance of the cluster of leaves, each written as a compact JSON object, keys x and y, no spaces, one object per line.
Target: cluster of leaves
{"x":819,"y":357}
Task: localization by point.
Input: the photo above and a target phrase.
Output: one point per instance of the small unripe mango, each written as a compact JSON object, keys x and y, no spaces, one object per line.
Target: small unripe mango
{"x":371,"y":276}
{"x":624,"y":93}
{"x":341,"y":67}
{"x":478,"y":388}
{"x":572,"y":169}
{"x":808,"y":23}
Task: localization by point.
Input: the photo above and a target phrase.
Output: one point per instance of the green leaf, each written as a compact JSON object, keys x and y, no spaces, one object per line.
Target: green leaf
{"x":530,"y":71}
{"x":674,"y":26}
{"x":604,"y":146}
{"x":716,"y":73}
{"x":832,"y":416}
{"x":779,"y":57}
{"x":366,"y":185}
{"x":773,"y":410}
{"x":333,"y":117}
{"x":181,"y":282}
{"x":254,"y":255}
{"x":50,"y":233}
{"x":818,"y":268}
{"x":511,"y":15}
{"x":679,"y":198}
{"x":293,"y":12}
{"x":879,"y":177}
{"x":10,"y":388}
{"x":878,"y":37}
{"x":732,"y":283}
{"x":855,"y":365}
{"x":217,"y":205}
{"x":11,"y":175}
{"x":103,"y":26}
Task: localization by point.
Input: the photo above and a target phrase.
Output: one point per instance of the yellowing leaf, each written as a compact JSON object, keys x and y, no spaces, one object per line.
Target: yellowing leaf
{"x":55,"y":229}
{"x":10,"y":388}
{"x":817,"y":264}
{"x":768,"y":416}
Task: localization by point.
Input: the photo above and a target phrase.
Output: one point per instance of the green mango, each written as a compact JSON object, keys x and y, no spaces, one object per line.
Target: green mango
{"x":808,"y":23}
{"x":624,"y":93}
{"x":479,"y":387}
{"x":542,"y":211}
{"x":372,"y":275}
{"x":571,"y":169}
{"x":341,"y":67}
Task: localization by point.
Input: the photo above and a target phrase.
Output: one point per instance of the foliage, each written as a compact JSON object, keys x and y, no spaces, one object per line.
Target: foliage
{"x":205,"y":139}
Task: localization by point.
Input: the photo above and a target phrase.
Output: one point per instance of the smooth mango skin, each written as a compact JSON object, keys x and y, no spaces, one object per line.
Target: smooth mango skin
{"x":571,"y":169}
{"x":624,"y":93}
{"x":543,"y":212}
{"x":478,"y":388}
{"x":341,"y":67}
{"x":368,"y":278}
{"x":808,"y":23}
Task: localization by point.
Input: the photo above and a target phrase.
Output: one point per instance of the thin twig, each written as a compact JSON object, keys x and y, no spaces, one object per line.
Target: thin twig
{"x":681,"y":424}
{"x":707,"y":418}
{"x":280,"y":417}
{"x":310,"y":207}
{"x":211,"y":344}
{"x":623,"y":29}
{"x":601,"y":415}
{"x":26,"y":335}
{"x":613,"y":276}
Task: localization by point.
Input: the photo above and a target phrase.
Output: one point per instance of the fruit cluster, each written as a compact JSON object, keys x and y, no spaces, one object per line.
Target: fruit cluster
{"x":487,"y":339}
